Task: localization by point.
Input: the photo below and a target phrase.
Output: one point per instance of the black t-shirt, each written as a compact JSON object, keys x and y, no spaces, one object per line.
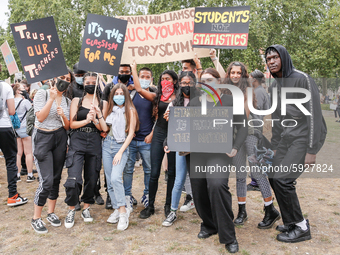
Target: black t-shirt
{"x":106,"y":92}
{"x":161,"y":122}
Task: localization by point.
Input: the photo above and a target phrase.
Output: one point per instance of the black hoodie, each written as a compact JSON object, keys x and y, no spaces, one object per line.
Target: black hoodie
{"x":312,"y":128}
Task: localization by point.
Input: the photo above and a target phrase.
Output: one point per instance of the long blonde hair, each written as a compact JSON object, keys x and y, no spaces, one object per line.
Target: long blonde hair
{"x":128,"y":105}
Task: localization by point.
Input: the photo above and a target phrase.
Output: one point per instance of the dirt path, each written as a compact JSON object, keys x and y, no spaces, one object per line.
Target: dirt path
{"x":319,"y":199}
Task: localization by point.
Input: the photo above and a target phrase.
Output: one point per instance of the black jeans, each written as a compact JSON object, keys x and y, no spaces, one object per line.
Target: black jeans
{"x":85,"y":150}
{"x":49,"y":150}
{"x":212,"y":197}
{"x":8,"y":146}
{"x":157,"y":154}
{"x":288,"y":153}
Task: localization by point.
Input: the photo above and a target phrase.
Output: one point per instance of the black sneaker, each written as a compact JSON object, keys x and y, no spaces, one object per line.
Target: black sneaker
{"x":38,"y":226}
{"x":134,"y":201}
{"x":170,"y":219}
{"x":18,"y":179}
{"x":251,"y":187}
{"x":108,"y":203}
{"x":77,"y":207}
{"x":86,"y":215}
{"x":23,"y":171}
{"x":99,"y":200}
{"x":30,"y":178}
{"x":53,"y":219}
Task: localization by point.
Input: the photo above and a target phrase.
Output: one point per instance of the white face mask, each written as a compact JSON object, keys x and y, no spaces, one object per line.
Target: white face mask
{"x":144,"y":83}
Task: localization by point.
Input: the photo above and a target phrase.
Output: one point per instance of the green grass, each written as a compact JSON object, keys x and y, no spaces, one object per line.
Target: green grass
{"x":325,"y":107}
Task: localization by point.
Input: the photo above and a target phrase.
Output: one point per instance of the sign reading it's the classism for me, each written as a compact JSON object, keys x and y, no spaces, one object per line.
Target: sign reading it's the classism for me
{"x":39,"y":49}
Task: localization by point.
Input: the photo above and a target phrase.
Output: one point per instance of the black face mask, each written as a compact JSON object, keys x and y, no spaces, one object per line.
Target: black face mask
{"x":186,"y":90}
{"x":124,"y":77}
{"x":62,"y":85}
{"x":90,"y":89}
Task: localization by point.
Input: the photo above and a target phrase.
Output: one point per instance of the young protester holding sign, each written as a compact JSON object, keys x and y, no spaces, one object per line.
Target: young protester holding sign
{"x":142,"y":140}
{"x":211,"y":194}
{"x":122,"y":117}
{"x":24,"y":141}
{"x":85,"y":150}
{"x":166,"y":93}
{"x":52,"y":109}
{"x":8,"y":144}
{"x":187,"y":82}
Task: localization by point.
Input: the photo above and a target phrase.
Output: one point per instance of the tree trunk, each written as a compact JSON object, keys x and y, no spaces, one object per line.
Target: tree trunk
{"x":324,"y":86}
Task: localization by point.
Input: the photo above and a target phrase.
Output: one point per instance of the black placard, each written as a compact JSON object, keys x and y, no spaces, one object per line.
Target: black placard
{"x":221,"y":27}
{"x":103,"y":43}
{"x":39,"y":49}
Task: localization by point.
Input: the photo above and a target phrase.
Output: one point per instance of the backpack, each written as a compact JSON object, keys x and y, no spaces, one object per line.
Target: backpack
{"x":15,"y":118}
{"x":30,"y":119}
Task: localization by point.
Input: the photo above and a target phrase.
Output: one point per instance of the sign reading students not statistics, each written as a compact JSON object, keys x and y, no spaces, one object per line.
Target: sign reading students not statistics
{"x":39,"y":49}
{"x":221,"y":27}
{"x":103,"y":43}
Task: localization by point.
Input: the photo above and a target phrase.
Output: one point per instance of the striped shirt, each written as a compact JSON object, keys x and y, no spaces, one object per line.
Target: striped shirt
{"x":53,"y":120}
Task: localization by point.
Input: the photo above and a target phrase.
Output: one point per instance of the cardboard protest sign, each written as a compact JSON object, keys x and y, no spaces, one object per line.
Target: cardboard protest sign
{"x":160,"y":38}
{"x":221,"y":27}
{"x":39,"y":49}
{"x":9,"y":58}
{"x":103,"y":43}
{"x":190,"y":131}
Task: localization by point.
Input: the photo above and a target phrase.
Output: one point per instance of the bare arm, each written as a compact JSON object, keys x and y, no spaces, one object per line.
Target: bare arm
{"x":145,"y":93}
{"x":217,"y":63}
{"x":11,"y":106}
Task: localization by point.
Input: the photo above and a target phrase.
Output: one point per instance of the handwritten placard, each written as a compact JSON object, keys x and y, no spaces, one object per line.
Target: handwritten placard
{"x":9,"y":58}
{"x":103,"y":44}
{"x":39,"y":49}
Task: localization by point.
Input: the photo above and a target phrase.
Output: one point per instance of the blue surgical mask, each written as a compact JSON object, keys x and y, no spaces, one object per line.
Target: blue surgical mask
{"x":80,"y":80}
{"x":144,"y":83}
{"x":119,"y":99}
{"x":212,"y":84}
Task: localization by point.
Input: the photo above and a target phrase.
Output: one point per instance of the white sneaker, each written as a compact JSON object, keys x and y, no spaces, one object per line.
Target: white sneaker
{"x":188,"y":204}
{"x":123,"y":221}
{"x":114,"y":217}
{"x":170,"y":219}
{"x":129,"y":204}
{"x":86,"y":215}
{"x":69,"y":220}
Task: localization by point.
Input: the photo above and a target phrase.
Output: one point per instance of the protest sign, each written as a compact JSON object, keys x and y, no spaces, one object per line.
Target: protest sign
{"x":39,"y":49}
{"x":190,"y":131}
{"x":160,"y":38}
{"x":221,"y":27}
{"x":9,"y":59}
{"x":103,"y":43}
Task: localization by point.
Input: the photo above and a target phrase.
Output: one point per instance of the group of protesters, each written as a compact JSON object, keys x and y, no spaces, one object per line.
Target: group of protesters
{"x":83,"y":121}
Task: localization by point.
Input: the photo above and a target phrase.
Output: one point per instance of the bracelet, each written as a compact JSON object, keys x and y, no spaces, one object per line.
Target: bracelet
{"x":100,"y":117}
{"x":96,"y":123}
{"x":199,"y":69}
{"x":213,"y":59}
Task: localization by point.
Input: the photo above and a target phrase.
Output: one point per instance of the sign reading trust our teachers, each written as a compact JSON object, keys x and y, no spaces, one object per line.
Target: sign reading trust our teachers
{"x":39,"y":49}
{"x":160,"y":38}
{"x":221,"y":27}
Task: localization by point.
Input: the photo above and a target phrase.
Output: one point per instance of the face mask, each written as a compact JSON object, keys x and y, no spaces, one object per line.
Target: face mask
{"x":124,"y":77}
{"x":80,"y":80}
{"x":144,"y":83}
{"x":62,"y":85}
{"x":119,"y":99}
{"x":167,"y":90}
{"x":90,"y":89}
{"x":186,"y":90}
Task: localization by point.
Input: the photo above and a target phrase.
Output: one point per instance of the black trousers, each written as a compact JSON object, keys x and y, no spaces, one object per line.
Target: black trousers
{"x":157,"y":154}
{"x":49,"y":151}
{"x":8,"y":146}
{"x":212,"y":197}
{"x":288,"y":152}
{"x":85,"y":150}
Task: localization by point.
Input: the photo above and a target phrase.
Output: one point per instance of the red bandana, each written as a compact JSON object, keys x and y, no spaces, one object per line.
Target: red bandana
{"x":167,"y":90}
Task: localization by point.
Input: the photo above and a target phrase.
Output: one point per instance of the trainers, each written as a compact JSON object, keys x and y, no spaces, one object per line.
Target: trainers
{"x":69,"y":220}
{"x":133,"y":200}
{"x":53,"y":219}
{"x":18,"y":179}
{"x":123,"y":222}
{"x":86,"y":215}
{"x":99,"y":200}
{"x":172,"y":217}
{"x":16,"y":200}
{"x":145,"y":200}
{"x":114,"y":217}
{"x":188,"y":204}
{"x":30,"y":178}
{"x":129,"y":203}
{"x":39,"y":226}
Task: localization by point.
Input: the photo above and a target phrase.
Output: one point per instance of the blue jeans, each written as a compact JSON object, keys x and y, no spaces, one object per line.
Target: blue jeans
{"x":181,"y":173}
{"x":114,"y":174}
{"x":144,"y":150}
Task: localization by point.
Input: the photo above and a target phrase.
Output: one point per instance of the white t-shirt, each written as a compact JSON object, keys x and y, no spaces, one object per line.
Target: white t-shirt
{"x":7,"y":93}
{"x":24,"y":106}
